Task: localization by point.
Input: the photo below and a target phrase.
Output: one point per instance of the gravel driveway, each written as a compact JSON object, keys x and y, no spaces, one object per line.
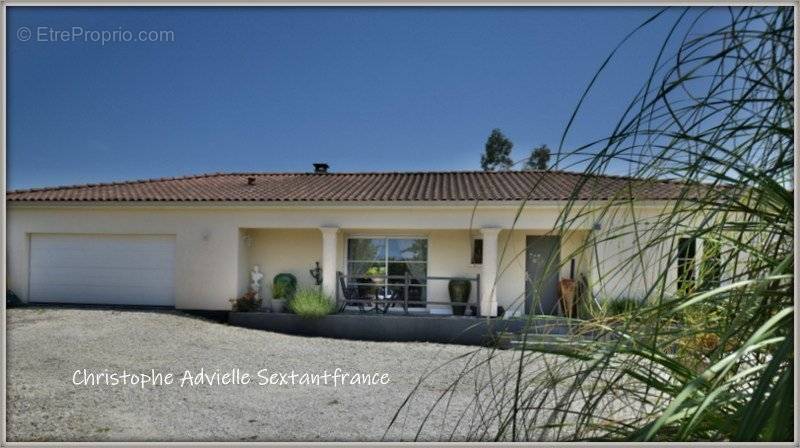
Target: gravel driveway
{"x":47,"y":345}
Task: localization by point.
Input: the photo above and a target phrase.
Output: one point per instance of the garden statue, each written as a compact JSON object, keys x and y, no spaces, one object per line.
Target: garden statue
{"x":316,"y":274}
{"x":256,"y":275}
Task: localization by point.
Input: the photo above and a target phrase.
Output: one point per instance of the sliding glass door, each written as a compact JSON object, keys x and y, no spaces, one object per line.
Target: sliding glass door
{"x":379,"y":265}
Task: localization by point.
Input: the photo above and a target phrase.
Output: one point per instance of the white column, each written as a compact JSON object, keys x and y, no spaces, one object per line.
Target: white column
{"x":329,"y":240}
{"x":488,"y":302}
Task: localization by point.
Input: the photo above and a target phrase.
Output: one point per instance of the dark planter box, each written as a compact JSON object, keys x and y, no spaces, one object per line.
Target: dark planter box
{"x":385,"y":327}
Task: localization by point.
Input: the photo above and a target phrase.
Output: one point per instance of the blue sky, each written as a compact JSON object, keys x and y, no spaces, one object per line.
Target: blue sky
{"x":275,"y":89}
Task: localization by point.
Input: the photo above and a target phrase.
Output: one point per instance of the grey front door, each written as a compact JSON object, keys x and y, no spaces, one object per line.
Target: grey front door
{"x":542,"y":261}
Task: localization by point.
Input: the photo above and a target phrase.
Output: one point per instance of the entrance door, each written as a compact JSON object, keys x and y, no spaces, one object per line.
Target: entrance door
{"x":542,"y":261}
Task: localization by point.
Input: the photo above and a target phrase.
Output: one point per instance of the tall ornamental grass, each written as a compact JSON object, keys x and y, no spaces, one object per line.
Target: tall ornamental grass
{"x":311,"y":303}
{"x":705,"y":357}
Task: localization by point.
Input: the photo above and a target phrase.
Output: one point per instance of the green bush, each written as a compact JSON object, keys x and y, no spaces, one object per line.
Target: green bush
{"x":621,"y":306}
{"x":603,"y":308}
{"x":311,"y":303}
{"x":12,"y":300}
{"x":284,"y":286}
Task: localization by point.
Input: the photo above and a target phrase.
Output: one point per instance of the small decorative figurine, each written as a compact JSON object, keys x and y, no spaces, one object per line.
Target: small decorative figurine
{"x":255,"y":276}
{"x":316,"y":274}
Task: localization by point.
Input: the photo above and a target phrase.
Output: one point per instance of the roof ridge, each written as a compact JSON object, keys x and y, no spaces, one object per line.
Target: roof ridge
{"x":342,"y":173}
{"x":114,"y":183}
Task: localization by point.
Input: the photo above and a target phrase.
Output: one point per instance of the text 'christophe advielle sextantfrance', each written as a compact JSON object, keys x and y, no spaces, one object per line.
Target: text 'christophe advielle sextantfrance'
{"x":232,"y":377}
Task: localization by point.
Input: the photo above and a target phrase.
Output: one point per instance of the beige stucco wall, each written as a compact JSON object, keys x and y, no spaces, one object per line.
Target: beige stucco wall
{"x":213,"y":257}
{"x":207,"y":246}
{"x":511,"y":272}
{"x":629,"y":264}
{"x":276,"y":251}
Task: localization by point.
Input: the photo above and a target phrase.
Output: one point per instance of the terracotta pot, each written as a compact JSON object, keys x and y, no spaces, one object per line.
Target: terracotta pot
{"x":459,"y":292}
{"x":566,"y":289}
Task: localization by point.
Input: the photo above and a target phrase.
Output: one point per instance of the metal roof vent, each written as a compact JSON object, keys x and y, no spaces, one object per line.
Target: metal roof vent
{"x":321,"y":168}
{"x":251,"y":181}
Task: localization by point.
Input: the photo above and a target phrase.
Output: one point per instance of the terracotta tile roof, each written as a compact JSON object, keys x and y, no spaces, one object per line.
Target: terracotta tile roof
{"x":388,"y":186}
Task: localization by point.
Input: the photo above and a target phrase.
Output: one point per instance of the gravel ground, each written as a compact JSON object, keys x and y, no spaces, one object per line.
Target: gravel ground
{"x":47,"y":345}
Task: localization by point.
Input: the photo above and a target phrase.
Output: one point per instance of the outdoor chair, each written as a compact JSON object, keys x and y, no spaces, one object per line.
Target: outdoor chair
{"x":351,"y":296}
{"x":391,"y":300}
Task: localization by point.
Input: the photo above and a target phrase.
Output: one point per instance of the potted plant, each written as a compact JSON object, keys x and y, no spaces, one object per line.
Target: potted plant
{"x":459,"y":292}
{"x":248,"y":302}
{"x":283,"y":288}
{"x":566,"y":289}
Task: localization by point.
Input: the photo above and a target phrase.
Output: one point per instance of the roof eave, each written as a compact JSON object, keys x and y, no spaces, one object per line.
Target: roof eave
{"x":323,"y":204}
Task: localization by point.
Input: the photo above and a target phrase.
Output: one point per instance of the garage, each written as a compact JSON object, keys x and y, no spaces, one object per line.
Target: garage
{"x":103,"y":269}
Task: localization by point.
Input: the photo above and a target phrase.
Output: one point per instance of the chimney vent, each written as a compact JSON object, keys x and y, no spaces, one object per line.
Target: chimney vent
{"x":251,"y":181}
{"x":321,"y":168}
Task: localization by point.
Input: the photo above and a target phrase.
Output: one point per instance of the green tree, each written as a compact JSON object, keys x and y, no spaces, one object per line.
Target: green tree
{"x":539,"y":158}
{"x":497,"y":155}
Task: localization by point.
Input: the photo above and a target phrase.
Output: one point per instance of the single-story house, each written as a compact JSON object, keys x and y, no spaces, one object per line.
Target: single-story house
{"x":191,"y":242}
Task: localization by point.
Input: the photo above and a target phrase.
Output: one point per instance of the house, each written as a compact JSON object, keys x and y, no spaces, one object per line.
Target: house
{"x":191,"y":242}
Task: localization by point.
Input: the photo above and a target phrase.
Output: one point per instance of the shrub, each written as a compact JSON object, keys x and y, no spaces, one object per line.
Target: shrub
{"x":284,"y":286}
{"x":311,"y":303}
{"x":248,"y":302}
{"x":621,"y":306}
{"x":606,"y":308}
{"x":12,"y":300}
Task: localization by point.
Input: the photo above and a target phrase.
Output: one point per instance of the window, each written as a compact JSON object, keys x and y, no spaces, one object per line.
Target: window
{"x":477,"y":251}
{"x":377,"y":265}
{"x":686,"y":262}
{"x":710,"y":274}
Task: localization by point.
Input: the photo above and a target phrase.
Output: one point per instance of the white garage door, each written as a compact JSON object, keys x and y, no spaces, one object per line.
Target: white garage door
{"x":103,"y":269}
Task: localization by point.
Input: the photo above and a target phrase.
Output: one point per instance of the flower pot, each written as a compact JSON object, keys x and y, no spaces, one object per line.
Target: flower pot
{"x":459,"y":292}
{"x":566,"y":289}
{"x":278,"y":305}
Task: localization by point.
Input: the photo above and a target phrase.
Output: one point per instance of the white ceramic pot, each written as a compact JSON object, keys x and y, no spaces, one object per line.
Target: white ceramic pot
{"x":278,"y":305}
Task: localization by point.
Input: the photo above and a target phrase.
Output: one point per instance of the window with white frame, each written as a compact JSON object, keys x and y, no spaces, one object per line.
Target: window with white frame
{"x":687,"y":248}
{"x":476,"y":255}
{"x":710,"y":269}
{"x":381,"y":265}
